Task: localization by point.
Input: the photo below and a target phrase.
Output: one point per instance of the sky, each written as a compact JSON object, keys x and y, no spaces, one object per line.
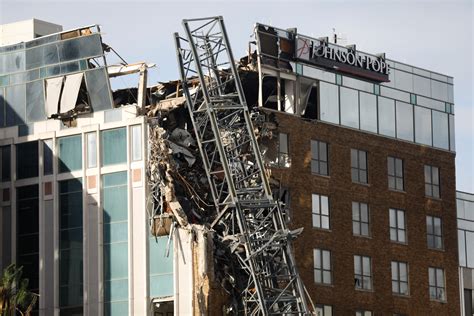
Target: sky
{"x":435,"y":35}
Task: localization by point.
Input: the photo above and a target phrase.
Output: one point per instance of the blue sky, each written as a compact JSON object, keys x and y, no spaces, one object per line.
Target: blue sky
{"x":436,"y":35}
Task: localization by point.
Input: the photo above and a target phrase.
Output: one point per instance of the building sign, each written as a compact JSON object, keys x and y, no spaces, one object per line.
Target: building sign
{"x":342,"y":59}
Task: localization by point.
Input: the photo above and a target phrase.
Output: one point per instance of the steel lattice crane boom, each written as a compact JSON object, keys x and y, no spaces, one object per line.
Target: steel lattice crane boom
{"x":249,"y":221}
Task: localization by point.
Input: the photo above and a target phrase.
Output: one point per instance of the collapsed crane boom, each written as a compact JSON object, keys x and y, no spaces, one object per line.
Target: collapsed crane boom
{"x":248,"y":220}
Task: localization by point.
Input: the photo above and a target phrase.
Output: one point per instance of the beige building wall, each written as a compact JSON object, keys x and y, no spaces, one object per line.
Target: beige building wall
{"x":26,"y":30}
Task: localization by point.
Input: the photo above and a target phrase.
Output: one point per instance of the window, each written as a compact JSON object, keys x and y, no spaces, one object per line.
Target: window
{"x":322,"y":266}
{"x":319,"y":158}
{"x":114,"y":146}
{"x":434,"y":232}
{"x":91,"y":149}
{"x":360,"y":219}
{"x":395,"y":173}
{"x":115,"y":219}
{"x":320,"y":211}
{"x":6,"y":163}
{"x":362,"y":272}
{"x":27,"y":160}
{"x":70,"y":153}
{"x":70,"y":243}
{"x":48,"y":157}
{"x":136,"y":142}
{"x":399,"y":278}
{"x":359,"y":166}
{"x":397,"y":226}
{"x":323,"y":310}
{"x":283,"y":158}
{"x":431,"y":181}
{"x":363,"y":313}
{"x":437,"y":289}
{"x":27,"y":243}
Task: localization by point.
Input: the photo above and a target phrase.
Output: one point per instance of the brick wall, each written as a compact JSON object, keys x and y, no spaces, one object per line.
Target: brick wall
{"x":340,"y":240}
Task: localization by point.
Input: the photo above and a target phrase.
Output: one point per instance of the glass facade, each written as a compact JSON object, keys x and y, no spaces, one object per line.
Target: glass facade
{"x":115,"y":219}
{"x":415,"y":106}
{"x":26,"y":67}
{"x":71,"y":261}
{"x":465,"y":216}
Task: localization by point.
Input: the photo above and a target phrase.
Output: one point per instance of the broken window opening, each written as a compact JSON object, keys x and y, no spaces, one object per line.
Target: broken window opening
{"x":66,"y":96}
{"x":270,"y":92}
{"x":308,"y":98}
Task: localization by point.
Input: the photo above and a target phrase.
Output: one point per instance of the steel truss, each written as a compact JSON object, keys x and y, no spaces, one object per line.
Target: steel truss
{"x":248,"y":221}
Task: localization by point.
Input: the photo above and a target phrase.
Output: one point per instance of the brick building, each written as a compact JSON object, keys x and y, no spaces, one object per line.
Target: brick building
{"x":367,"y":166}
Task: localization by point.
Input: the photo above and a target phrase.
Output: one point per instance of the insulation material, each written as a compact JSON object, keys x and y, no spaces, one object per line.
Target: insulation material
{"x":70,"y":92}
{"x":305,"y":90}
{"x":53,"y":93}
{"x":289,"y":104}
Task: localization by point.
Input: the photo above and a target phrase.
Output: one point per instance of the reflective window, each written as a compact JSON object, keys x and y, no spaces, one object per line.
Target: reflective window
{"x":360,"y":219}
{"x":434,"y":232}
{"x":432,"y":181}
{"x":440,"y":130}
{"x":71,"y":259}
{"x":91,"y":149}
{"x":362,"y":272}
{"x":6,"y":163}
{"x":359,"y":166}
{"x":395,"y":173}
{"x":27,"y":244}
{"x":319,"y":158}
{"x":70,"y":153}
{"x":399,"y":278}
{"x":98,"y":88}
{"x":48,"y":157}
{"x":115,"y":212}
{"x":403,"y":80}
{"x":398,"y":231}
{"x":395,"y":94}
{"x":114,"y":146}
{"x":329,"y":102}
{"x":452,"y":145}
{"x":422,"y":126}
{"x":363,"y":313}
{"x":386,"y":116}
{"x":323,"y":310}
{"x":27,"y":160}
{"x":439,"y":90}
{"x":322,"y":266}
{"x":320,"y":211}
{"x":421,"y":85}
{"x":349,"y":107}
{"x":160,"y":267}
{"x":136,"y":142}
{"x":404,"y":121}
{"x":368,"y":112}
{"x":437,"y":286}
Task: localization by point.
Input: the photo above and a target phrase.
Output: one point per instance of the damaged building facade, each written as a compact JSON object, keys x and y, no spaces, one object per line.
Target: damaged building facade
{"x":107,"y":205}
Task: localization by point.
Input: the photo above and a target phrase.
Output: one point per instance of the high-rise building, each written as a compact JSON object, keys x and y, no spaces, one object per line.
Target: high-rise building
{"x":360,"y":149}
